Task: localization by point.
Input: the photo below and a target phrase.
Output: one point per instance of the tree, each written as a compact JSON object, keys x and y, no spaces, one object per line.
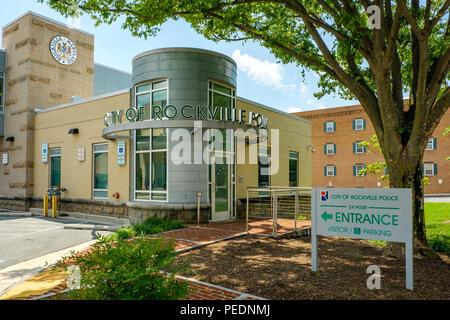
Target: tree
{"x":374,"y":51}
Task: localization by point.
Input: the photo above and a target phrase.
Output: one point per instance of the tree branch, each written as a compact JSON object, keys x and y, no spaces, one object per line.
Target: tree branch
{"x":438,"y":16}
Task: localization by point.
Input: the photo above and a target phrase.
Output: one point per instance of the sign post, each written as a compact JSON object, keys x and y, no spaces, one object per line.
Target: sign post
{"x":375,"y":214}
{"x":199,"y":196}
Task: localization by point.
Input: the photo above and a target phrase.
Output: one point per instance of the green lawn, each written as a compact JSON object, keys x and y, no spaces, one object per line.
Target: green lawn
{"x":438,"y":233}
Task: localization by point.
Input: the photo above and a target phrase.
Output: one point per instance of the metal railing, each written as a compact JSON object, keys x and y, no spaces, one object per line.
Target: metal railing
{"x":274,"y":192}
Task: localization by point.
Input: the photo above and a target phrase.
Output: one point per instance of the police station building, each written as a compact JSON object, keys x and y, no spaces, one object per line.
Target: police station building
{"x":135,"y":145}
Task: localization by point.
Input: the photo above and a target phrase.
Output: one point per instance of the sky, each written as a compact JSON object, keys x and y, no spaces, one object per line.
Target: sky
{"x":260,"y":78}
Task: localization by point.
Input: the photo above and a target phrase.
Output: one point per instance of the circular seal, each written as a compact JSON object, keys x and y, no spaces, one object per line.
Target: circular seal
{"x":63,"y":50}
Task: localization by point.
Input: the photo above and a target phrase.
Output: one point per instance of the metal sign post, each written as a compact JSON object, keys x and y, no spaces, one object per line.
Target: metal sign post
{"x":374,"y":214}
{"x":199,"y":195}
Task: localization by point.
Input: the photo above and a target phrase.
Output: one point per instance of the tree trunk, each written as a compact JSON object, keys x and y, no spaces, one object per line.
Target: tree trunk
{"x":409,"y":175}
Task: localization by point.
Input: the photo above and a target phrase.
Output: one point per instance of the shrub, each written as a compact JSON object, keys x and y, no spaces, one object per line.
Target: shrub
{"x":150,"y":226}
{"x":129,"y":270}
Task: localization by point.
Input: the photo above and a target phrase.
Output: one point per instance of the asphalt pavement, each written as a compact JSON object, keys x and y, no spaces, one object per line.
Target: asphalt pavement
{"x":25,"y":238}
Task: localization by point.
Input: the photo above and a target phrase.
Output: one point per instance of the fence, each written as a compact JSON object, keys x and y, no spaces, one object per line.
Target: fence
{"x":285,"y":206}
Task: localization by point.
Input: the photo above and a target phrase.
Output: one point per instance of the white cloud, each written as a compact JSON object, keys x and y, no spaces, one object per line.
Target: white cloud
{"x":317,"y":105}
{"x":263,"y":72}
{"x":303,"y":88}
{"x":294,"y":109}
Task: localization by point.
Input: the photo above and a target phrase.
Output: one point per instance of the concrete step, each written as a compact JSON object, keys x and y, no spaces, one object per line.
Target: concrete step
{"x":86,"y":217}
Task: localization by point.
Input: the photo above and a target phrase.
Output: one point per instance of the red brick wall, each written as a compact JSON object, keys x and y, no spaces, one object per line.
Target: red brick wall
{"x":345,"y":159}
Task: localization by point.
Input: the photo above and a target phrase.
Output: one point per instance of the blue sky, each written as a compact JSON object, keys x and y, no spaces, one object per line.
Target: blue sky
{"x":260,"y":77}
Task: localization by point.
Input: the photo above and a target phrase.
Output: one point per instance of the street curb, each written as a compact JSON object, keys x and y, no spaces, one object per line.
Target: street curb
{"x":95,"y":227}
{"x":16,"y":214}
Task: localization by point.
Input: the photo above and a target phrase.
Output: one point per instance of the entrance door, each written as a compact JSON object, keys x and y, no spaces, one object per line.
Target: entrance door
{"x":221,"y":194}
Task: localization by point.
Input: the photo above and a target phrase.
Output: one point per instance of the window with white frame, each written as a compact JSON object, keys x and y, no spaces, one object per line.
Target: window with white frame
{"x":357,"y":169}
{"x":431,"y":144}
{"x":330,"y":126}
{"x":358,"y":148}
{"x":330,"y":171}
{"x":100,"y":170}
{"x":330,"y":148}
{"x":358,"y":124}
{"x":150,"y":165}
{"x":429,"y":169}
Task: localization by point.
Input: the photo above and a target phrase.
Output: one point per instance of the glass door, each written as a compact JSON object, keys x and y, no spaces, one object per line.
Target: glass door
{"x":220,"y":187}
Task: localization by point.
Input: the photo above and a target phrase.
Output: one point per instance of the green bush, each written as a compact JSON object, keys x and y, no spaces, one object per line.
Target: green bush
{"x":150,"y":226}
{"x":129,"y":270}
{"x":440,"y":243}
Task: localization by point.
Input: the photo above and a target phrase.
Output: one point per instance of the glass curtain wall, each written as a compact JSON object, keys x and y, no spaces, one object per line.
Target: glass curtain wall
{"x":151,"y":146}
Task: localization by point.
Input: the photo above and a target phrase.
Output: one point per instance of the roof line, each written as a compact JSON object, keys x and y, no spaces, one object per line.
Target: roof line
{"x":112,"y":68}
{"x":70,"y":104}
{"x":274,"y":110}
{"x":183,"y":49}
{"x":49,"y":19}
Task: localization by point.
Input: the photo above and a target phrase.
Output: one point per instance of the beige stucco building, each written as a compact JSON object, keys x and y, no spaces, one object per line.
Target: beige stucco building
{"x":141,"y":144}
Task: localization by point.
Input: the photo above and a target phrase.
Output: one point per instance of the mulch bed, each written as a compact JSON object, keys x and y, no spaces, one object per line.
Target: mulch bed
{"x":281,"y":269}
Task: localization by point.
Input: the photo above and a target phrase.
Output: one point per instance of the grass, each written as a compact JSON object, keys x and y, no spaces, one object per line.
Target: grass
{"x":438,"y":233}
{"x":150,"y":226}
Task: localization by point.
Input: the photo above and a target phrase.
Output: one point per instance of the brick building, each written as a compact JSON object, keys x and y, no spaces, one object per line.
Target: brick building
{"x":337,"y":157}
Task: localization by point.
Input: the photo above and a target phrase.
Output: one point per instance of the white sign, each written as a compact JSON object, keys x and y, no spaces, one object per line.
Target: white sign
{"x":44,"y":153}
{"x":375,"y":214}
{"x":5,"y":158}
{"x":81,"y":154}
{"x":121,"y":149}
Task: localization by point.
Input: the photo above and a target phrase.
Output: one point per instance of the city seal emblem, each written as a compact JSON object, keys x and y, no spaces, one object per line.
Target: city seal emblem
{"x":63,"y":50}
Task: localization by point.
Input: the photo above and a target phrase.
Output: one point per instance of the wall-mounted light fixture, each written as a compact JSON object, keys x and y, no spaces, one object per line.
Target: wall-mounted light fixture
{"x":310,"y":146}
{"x":73,"y":131}
{"x":10,"y":139}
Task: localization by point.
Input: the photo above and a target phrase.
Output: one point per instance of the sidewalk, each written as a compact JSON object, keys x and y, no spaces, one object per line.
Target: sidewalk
{"x":14,"y":276}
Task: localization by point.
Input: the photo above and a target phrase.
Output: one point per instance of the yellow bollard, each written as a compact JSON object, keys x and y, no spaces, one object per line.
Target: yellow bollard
{"x":45,"y":205}
{"x":54,"y":206}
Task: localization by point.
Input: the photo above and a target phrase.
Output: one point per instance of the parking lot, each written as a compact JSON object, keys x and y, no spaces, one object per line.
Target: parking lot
{"x":25,"y":238}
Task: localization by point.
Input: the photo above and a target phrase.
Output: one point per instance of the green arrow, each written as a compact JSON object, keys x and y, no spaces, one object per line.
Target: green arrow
{"x":325,"y":216}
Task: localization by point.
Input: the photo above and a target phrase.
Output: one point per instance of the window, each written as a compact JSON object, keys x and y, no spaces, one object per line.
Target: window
{"x":431,"y":144}
{"x":150,"y":166}
{"x":55,"y":167}
{"x":357,"y":168}
{"x":329,"y":148}
{"x":330,"y":171}
{"x":152,"y":97}
{"x":2,"y":90}
{"x":357,"y":148}
{"x":221,"y":96}
{"x":359,"y":124}
{"x":263,"y":167}
{"x":430,"y":169}
{"x":100,"y":168}
{"x":329,"y":126}
{"x":293,"y":169}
